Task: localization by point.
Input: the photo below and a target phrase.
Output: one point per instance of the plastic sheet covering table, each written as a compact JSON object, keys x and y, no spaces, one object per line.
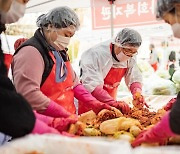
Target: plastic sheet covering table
{"x":54,"y":144}
{"x":157,"y":150}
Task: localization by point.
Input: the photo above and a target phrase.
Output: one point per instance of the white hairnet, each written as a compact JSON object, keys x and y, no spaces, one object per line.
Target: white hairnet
{"x":128,"y":36}
{"x":60,"y":17}
{"x":164,"y":6}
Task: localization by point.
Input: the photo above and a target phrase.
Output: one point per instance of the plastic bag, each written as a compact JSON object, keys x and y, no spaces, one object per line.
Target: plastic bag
{"x":176,"y":80}
{"x":176,"y":76}
{"x":159,"y":86}
{"x":145,"y":68}
{"x":163,"y":74}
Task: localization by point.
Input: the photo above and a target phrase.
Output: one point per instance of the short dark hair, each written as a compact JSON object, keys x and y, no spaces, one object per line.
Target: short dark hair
{"x":172,"y":56}
{"x":151,"y":46}
{"x":172,"y":11}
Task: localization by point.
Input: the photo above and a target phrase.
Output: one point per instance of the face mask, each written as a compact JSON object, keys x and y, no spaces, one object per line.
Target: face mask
{"x":122,"y":57}
{"x":62,"y":41}
{"x":176,"y":28}
{"x":15,"y":12}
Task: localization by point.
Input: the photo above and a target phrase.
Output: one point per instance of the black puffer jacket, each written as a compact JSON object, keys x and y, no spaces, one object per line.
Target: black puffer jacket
{"x":16,"y":116}
{"x":175,"y":116}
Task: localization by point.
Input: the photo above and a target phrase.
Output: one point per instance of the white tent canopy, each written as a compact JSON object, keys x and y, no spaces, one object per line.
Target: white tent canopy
{"x":39,"y":6}
{"x":45,"y":5}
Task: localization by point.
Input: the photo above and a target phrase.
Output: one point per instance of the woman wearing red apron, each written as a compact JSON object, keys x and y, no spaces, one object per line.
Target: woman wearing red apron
{"x":42,"y":72}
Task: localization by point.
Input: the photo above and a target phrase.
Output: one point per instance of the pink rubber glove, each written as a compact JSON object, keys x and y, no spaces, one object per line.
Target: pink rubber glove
{"x":62,"y":124}
{"x":136,"y":90}
{"x":102,"y":95}
{"x":55,"y":110}
{"x":121,"y":106}
{"x":46,"y":119}
{"x":157,"y":134}
{"x":135,"y":87}
{"x":170,"y":104}
{"x":41,"y":128}
{"x":84,"y":96}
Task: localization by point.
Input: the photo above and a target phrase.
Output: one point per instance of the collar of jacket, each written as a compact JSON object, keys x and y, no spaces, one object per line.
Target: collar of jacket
{"x":42,"y":40}
{"x":112,"y":52}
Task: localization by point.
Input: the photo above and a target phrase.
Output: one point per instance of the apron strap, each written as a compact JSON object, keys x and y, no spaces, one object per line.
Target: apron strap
{"x":61,"y":70}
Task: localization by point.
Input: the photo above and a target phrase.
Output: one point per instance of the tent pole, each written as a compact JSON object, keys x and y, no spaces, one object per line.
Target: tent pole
{"x":112,"y":24}
{"x":112,"y":19}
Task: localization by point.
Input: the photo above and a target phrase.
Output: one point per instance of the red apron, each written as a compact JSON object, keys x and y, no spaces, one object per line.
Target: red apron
{"x":62,"y":92}
{"x":7,"y":60}
{"x":112,"y":80}
{"x":111,"y":83}
{"x":154,"y":66}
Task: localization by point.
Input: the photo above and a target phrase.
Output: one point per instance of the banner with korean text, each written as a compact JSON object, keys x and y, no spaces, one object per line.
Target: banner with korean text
{"x":126,"y":13}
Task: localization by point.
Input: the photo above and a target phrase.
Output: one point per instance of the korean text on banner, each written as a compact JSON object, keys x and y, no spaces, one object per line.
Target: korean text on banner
{"x":125,"y":13}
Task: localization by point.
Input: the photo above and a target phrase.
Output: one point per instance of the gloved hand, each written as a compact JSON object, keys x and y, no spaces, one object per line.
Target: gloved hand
{"x":62,"y":124}
{"x":41,"y":128}
{"x":157,"y":134}
{"x":102,"y":95}
{"x":135,"y":87}
{"x":55,"y":110}
{"x":90,"y":102}
{"x":169,"y":105}
{"x":46,"y":119}
{"x":121,"y":105}
{"x":138,"y":99}
{"x":97,"y":106}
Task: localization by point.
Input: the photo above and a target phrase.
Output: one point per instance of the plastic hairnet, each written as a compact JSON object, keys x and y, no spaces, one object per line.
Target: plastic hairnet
{"x":128,"y":36}
{"x":60,"y":17}
{"x":164,"y":6}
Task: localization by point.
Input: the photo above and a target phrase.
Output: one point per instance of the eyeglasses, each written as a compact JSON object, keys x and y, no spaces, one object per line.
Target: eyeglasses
{"x":130,"y":52}
{"x":127,"y":50}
